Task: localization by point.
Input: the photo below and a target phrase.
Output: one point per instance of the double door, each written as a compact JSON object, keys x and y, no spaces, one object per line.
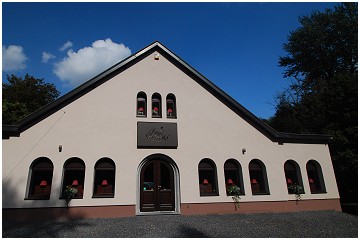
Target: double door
{"x":157,"y":187}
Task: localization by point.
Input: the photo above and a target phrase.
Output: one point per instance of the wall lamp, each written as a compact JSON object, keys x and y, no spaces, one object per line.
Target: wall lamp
{"x":243,"y":150}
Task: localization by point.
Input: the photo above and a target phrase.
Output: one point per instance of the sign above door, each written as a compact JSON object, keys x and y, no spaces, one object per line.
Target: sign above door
{"x":157,"y":135}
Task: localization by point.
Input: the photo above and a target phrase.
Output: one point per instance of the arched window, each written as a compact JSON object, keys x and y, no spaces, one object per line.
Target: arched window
{"x":156,"y":105}
{"x":233,"y":175}
{"x":74,"y":174}
{"x":171,"y":106}
{"x":258,"y":178}
{"x":141,"y":104}
{"x":315,"y":176}
{"x":208,"y":178}
{"x":293,"y":176}
{"x":104,"y":181}
{"x":41,"y":173}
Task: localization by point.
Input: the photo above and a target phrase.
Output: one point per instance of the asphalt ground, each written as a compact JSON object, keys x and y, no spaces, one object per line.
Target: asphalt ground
{"x":317,"y":224}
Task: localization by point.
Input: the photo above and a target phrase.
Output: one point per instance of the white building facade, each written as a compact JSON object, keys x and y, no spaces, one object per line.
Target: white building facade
{"x":151,"y":135}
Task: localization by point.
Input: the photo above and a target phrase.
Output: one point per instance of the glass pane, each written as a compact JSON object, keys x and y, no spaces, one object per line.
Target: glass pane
{"x":104,"y":182}
{"x":149,"y":183}
{"x":165,"y":177}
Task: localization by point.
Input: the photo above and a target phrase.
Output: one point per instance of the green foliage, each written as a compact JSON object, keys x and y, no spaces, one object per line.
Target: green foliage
{"x":69,"y":194}
{"x":21,"y":97}
{"x":297,"y":190}
{"x":322,"y":64}
{"x":234,"y":191}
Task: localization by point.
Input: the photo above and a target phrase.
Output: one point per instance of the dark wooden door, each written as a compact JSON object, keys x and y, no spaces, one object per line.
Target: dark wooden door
{"x":157,"y":187}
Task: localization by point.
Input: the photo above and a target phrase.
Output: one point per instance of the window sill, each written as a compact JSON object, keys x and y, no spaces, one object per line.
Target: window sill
{"x":294,"y":193}
{"x":262,"y":193}
{"x":103,"y":196}
{"x":231,"y":195}
{"x":209,"y":195}
{"x":320,"y":192}
{"x":142,"y":116}
{"x":62,"y":197}
{"x":37,"y":198}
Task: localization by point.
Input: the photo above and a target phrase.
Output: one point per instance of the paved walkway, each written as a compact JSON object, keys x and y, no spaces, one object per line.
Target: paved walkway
{"x":319,"y":224}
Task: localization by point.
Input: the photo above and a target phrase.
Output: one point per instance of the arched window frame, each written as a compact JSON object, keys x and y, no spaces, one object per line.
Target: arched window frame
{"x":104,"y":178}
{"x":40,"y":176}
{"x":293,"y":176}
{"x":233,"y":175}
{"x":258,"y":178}
{"x":171,"y":106}
{"x":141,"y":104}
{"x":315,"y":177}
{"x":208,"y":178}
{"x":74,"y":176}
{"x":156,"y":105}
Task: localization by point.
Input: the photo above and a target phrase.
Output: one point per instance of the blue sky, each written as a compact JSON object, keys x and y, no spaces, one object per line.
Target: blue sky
{"x":234,"y":45}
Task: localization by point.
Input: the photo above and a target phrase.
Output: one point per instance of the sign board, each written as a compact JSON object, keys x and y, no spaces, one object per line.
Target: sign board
{"x":157,"y":135}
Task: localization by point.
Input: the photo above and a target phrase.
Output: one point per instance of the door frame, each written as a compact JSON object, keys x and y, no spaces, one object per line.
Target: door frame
{"x":171,"y":162}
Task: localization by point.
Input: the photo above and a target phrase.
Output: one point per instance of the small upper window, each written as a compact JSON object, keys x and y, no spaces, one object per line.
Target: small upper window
{"x":104,"y":182}
{"x":41,"y":173}
{"x":315,"y":176}
{"x":156,"y":105}
{"x":258,"y":178}
{"x":141,"y":105}
{"x":208,"y":178}
{"x":170,"y":106}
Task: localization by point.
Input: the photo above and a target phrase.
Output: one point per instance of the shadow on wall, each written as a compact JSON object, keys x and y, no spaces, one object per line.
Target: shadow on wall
{"x":33,"y":210}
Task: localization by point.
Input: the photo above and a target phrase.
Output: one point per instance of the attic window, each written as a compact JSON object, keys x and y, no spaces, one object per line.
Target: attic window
{"x":170,"y":106}
{"x":141,"y":105}
{"x":156,"y":105}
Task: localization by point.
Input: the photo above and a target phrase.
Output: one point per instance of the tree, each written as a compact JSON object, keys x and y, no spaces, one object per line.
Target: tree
{"x":24,"y":96}
{"x":322,"y":64}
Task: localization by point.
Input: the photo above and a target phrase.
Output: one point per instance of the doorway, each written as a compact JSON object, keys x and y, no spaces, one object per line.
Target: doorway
{"x":158,"y":186}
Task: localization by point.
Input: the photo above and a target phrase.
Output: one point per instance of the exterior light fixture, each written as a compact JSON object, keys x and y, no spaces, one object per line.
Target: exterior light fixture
{"x":75,"y":183}
{"x":243,"y":150}
{"x":60,"y":148}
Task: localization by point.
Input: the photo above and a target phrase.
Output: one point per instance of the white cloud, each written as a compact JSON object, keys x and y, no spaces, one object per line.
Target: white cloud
{"x":66,"y":45}
{"x":13,"y":58}
{"x":81,"y":66}
{"x":46,"y":57}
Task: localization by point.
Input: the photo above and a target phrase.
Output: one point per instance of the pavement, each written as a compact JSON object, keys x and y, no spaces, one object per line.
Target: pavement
{"x":317,"y":224}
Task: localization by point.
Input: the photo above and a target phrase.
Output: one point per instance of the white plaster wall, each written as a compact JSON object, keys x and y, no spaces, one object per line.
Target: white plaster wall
{"x":103,"y":122}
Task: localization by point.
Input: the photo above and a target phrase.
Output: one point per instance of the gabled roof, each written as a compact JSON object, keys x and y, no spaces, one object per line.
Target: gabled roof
{"x":42,"y":113}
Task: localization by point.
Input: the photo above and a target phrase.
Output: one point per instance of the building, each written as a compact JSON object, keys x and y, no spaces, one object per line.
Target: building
{"x":151,"y":135}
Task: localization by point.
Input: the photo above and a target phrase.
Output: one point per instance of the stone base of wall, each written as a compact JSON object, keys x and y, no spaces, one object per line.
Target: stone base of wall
{"x":260,"y":207}
{"x":36,"y":214}
{"x":62,"y":213}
